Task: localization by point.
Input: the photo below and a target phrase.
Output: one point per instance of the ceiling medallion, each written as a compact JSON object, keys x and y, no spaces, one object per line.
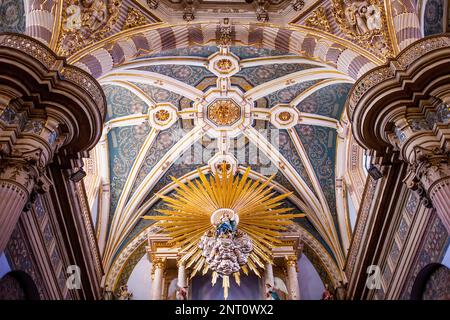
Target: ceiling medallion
{"x":284,"y":116}
{"x":224,"y":65}
{"x":225,"y":224}
{"x":221,"y":161}
{"x":224,"y":112}
{"x":162,"y":115}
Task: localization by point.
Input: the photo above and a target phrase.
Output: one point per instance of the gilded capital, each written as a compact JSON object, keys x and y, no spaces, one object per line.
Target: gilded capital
{"x":291,"y":261}
{"x":159,"y":263}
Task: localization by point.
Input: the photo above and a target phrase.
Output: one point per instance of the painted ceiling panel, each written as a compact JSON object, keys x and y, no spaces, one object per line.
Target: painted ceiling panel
{"x":288,"y":150}
{"x":260,"y":74}
{"x":160,"y":94}
{"x":320,"y":146}
{"x":182,"y":166}
{"x":286,"y":95}
{"x":12,"y":16}
{"x":194,"y":51}
{"x":328,"y":101}
{"x":255,"y":52}
{"x":242,"y":52}
{"x":191,"y":75}
{"x":165,"y":140}
{"x":121,"y":102}
{"x":124,"y":145}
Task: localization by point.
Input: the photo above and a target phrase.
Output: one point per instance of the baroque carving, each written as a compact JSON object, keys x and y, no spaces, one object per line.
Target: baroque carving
{"x":153,"y":4}
{"x":318,"y":19}
{"x":135,"y":18}
{"x":188,"y":12}
{"x":404,"y":59}
{"x":30,"y":46}
{"x":430,"y":167}
{"x":261,"y":11}
{"x":85,"y":22}
{"x":225,"y":33}
{"x":297,"y":5}
{"x":364,"y":22}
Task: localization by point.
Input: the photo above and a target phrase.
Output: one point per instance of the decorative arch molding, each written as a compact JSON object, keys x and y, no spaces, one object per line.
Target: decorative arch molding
{"x":346,"y":57}
{"x":354,"y":174}
{"x":391,"y":87}
{"x":42,"y":18}
{"x":402,"y":111}
{"x":431,"y":283}
{"x":18,"y":285}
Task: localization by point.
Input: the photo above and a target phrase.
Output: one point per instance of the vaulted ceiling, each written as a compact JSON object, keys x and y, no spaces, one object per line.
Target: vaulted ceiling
{"x":261,"y":84}
{"x":142,"y":158}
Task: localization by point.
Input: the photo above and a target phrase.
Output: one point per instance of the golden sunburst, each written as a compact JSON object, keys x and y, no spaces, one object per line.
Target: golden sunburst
{"x":256,"y":205}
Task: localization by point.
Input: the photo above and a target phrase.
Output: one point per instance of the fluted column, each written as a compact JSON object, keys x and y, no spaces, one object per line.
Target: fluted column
{"x":291,"y":266}
{"x":268,"y":278}
{"x":16,"y":185}
{"x":158,"y":273}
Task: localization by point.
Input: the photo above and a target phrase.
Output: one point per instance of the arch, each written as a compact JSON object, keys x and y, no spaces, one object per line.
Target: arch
{"x":425,"y":277}
{"x":18,"y":285}
{"x":346,"y":57}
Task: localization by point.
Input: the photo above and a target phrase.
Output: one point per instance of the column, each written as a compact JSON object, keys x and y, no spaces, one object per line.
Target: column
{"x":16,"y":185}
{"x":182,"y":276}
{"x":435,"y":178}
{"x":158,"y":273}
{"x":291,"y":266}
{"x":268,"y":278}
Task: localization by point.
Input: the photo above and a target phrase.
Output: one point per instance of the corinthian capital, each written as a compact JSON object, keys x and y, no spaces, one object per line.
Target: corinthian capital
{"x":431,"y":166}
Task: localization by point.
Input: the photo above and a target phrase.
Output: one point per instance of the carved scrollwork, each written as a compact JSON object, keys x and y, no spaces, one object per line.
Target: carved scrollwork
{"x":430,"y":167}
{"x":318,"y":19}
{"x":364,"y":22}
{"x":86,"y":21}
{"x":134,"y":18}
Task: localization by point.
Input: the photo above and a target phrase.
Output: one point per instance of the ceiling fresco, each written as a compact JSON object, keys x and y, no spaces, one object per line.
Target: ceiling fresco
{"x":200,"y":84}
{"x":284,"y":99}
{"x":12,"y":16}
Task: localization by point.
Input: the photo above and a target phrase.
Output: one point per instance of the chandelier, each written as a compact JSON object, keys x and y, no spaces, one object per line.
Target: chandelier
{"x":226,"y":224}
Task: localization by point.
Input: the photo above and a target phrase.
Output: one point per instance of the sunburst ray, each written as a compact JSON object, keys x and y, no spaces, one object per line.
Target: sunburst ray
{"x":187,"y":217}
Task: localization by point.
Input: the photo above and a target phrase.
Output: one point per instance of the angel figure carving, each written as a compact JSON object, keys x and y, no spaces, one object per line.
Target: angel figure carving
{"x":362,"y":17}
